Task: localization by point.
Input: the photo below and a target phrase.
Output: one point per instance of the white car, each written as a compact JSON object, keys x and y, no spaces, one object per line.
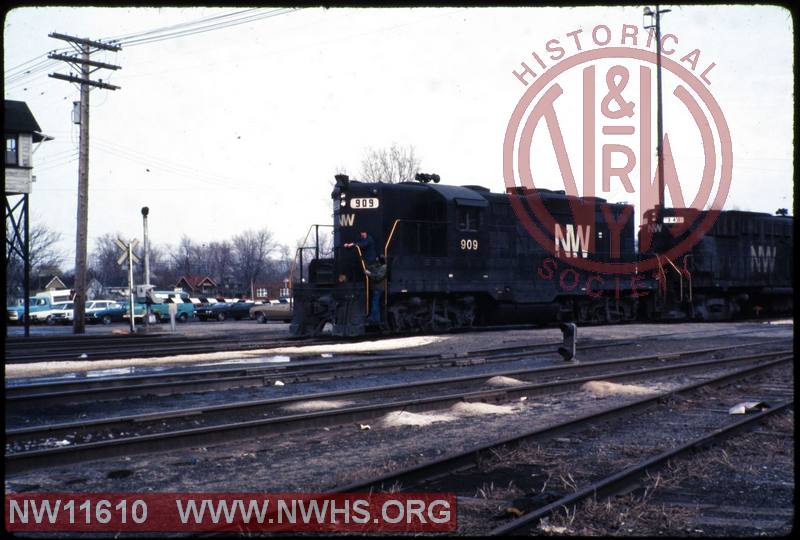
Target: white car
{"x":44,"y":315}
{"x":97,"y":305}
{"x":61,"y":313}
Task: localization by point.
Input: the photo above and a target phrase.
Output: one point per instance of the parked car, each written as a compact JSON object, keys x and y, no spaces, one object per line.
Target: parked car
{"x":236,"y":309}
{"x":38,"y":305}
{"x":107,"y":313}
{"x":160,"y":309}
{"x":275,"y":310}
{"x":46,"y":315}
{"x":63,"y":314}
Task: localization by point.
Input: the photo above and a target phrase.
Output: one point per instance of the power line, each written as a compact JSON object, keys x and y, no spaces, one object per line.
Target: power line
{"x":125,"y":37}
{"x":166,"y":166}
{"x":22,"y":67}
{"x":207,"y":28}
{"x":18,"y":75}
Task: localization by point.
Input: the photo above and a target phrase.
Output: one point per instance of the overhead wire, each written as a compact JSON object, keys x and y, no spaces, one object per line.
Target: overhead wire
{"x":200,"y":26}
{"x":162,"y":165}
{"x":117,"y":39}
{"x":18,"y":75}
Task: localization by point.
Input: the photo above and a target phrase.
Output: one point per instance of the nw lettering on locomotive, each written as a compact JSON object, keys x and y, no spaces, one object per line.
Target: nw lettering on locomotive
{"x":572,"y":242}
{"x":762,"y":260}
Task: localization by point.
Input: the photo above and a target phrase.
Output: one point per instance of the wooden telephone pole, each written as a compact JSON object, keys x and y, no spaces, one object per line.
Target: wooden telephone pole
{"x":86,"y":66}
{"x":659,"y":103}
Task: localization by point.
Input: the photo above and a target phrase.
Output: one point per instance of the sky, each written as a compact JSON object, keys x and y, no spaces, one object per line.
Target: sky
{"x":244,"y":127}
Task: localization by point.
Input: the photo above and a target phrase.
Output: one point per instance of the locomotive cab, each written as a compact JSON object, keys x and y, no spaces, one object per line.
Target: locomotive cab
{"x":716,"y":265}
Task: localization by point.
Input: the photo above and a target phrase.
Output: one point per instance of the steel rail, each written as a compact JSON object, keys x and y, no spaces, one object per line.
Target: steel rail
{"x":417,"y":475}
{"x":161,"y":348}
{"x":193,"y":380}
{"x":629,"y":477}
{"x":26,"y":460}
{"x":70,"y":392}
{"x":52,"y":430}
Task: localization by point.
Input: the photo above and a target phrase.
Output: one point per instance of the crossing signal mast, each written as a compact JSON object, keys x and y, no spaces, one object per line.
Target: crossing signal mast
{"x":85,"y":66}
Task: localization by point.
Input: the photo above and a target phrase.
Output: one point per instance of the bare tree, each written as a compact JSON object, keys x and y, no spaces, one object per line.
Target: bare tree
{"x":185,"y":256}
{"x":220,"y":257}
{"x":44,"y":257}
{"x":251,"y":249}
{"x":390,"y":165}
{"x":161,"y":274}
{"x":281,"y":264}
{"x":103,"y":261}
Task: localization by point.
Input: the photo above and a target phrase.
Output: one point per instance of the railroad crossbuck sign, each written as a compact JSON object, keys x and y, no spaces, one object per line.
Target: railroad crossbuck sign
{"x":127,"y":249}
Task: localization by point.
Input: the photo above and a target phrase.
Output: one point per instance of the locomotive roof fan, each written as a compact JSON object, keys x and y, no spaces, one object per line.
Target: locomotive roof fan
{"x":425,"y":178}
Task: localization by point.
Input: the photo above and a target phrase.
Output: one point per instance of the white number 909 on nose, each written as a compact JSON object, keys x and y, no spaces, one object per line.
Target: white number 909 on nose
{"x":364,"y":203}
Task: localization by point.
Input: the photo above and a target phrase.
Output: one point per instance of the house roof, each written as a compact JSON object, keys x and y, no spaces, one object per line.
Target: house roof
{"x":18,"y":118}
{"x":55,"y":282}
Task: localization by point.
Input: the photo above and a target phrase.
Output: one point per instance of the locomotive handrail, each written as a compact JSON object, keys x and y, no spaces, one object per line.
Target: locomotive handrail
{"x":688,"y":274}
{"x":390,"y":238}
{"x":389,"y":242}
{"x":397,"y":222}
{"x":662,"y":285}
{"x":366,"y":279}
{"x":680,"y":275}
{"x":386,"y":261}
{"x":300,"y":249}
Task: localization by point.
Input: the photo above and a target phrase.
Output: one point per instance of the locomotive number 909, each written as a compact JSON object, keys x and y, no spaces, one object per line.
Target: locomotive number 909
{"x":364,"y":202}
{"x":468,"y":244}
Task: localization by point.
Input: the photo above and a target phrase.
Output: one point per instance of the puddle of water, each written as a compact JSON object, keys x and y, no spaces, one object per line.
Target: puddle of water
{"x":266,"y":360}
{"x":110,"y":372}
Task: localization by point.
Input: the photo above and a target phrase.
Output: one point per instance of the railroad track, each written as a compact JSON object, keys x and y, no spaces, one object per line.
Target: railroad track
{"x":108,"y":348}
{"x":105,"y":347}
{"x":123,"y":435}
{"x":631,"y":477}
{"x":187,"y":380}
{"x":581,"y":441}
{"x":90,"y":390}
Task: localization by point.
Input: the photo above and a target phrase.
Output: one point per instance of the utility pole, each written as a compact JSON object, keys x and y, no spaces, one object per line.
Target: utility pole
{"x":659,"y":113}
{"x":84,"y":64}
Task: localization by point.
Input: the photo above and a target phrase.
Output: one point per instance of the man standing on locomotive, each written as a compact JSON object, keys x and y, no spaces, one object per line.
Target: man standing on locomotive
{"x":375,"y":270}
{"x":367,"y":245}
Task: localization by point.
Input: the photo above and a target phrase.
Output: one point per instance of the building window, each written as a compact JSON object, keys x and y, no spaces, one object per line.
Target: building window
{"x":12,"y":154}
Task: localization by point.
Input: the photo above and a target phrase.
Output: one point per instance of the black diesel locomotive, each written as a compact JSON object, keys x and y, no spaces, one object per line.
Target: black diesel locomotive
{"x":458,"y":256}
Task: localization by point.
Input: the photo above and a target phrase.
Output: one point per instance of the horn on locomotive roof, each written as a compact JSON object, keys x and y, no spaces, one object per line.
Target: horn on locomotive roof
{"x":425,"y":178}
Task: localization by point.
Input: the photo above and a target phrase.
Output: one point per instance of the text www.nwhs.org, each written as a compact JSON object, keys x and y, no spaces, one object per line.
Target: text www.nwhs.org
{"x":422,"y":512}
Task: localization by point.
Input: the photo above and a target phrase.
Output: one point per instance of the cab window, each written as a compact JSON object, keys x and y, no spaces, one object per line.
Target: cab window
{"x":468,"y":219}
